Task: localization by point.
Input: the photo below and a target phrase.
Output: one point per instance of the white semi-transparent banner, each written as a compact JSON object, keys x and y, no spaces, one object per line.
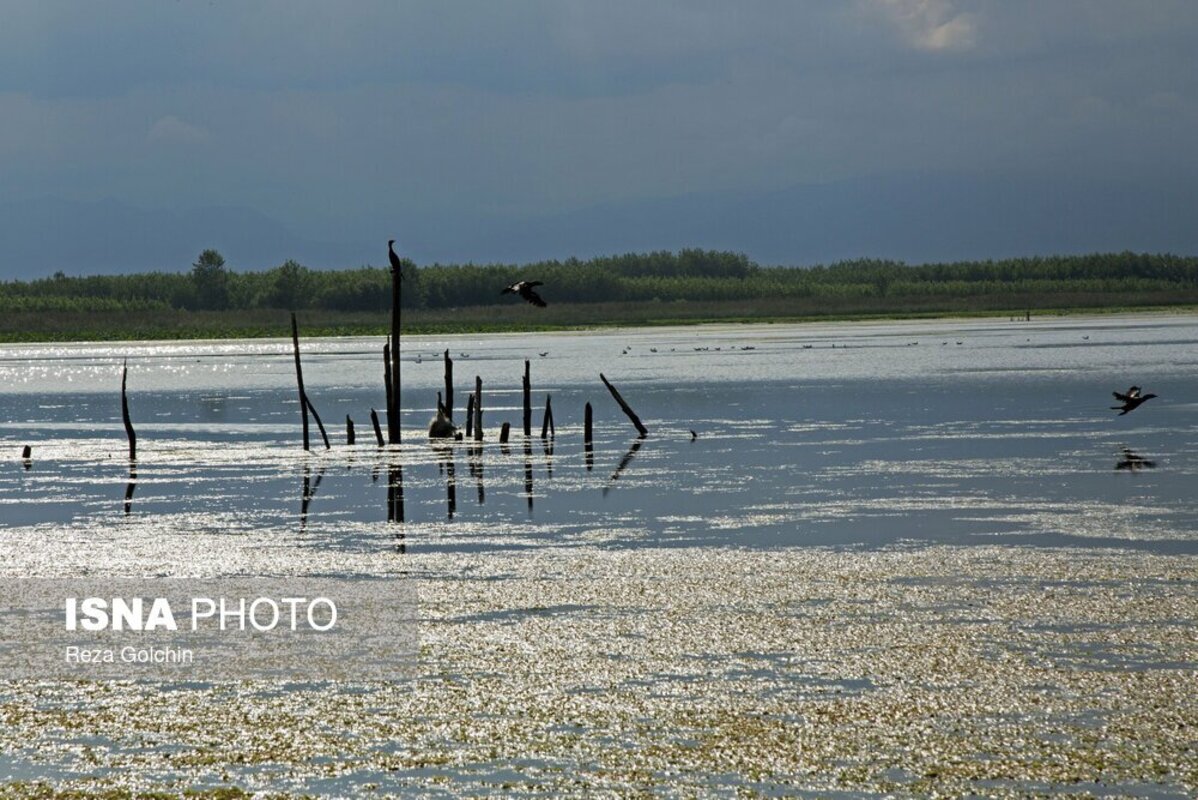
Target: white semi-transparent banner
{"x":167,"y":629}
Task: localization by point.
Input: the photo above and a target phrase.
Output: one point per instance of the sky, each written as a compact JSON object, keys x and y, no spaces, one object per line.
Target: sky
{"x":134,"y":133}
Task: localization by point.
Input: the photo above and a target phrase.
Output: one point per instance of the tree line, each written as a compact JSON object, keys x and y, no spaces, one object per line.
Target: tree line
{"x":664,"y":276}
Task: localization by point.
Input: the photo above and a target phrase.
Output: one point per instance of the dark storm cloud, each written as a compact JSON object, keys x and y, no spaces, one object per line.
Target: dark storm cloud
{"x":438,"y":119}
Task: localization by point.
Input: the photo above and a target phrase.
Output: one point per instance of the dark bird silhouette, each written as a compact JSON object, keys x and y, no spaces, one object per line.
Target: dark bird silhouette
{"x":395,"y":265}
{"x":524,"y":289}
{"x":1133,"y":462}
{"x":1131,"y":401}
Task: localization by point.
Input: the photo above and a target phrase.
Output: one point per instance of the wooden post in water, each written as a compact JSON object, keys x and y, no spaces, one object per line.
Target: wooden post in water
{"x":387,"y":384}
{"x":27,"y":457}
{"x":305,"y":404}
{"x":527,"y":402}
{"x":125,"y":413}
{"x":547,"y":420}
{"x":636,"y":421}
{"x":394,"y":435}
{"x":478,"y":408}
{"x":378,"y":432}
{"x":504,"y":432}
{"x":470,"y":415}
{"x":448,"y":385}
{"x":349,"y":430}
{"x":299,"y":377}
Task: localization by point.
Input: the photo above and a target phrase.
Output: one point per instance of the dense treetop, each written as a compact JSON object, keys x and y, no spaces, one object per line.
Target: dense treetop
{"x":687,"y":275}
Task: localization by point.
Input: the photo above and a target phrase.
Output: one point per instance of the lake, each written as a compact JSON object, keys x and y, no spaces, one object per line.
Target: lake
{"x":941,"y":524}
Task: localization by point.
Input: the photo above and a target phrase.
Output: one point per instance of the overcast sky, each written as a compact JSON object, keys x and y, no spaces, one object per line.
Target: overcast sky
{"x":355,"y":121}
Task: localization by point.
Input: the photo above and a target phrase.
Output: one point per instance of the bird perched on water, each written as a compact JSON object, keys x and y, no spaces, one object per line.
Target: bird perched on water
{"x":395,"y":265}
{"x":1131,"y":401}
{"x":524,"y":289}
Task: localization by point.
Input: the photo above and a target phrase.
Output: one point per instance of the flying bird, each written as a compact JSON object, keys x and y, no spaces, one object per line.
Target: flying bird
{"x":1131,"y":401}
{"x":524,"y":289}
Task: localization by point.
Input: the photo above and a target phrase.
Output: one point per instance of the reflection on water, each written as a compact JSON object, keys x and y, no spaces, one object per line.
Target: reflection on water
{"x":871,"y":442}
{"x":624,"y":462}
{"x":130,"y":487}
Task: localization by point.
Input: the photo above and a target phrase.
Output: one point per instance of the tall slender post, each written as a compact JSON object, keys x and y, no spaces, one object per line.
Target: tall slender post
{"x":527,"y":402}
{"x":374,"y":421}
{"x":394,"y":434}
{"x":478,"y":408}
{"x":636,"y":421}
{"x":548,"y":418}
{"x":470,"y":416}
{"x":387,"y":384}
{"x":299,"y":377}
{"x":349,"y":430}
{"x":319,"y":424}
{"x":125,"y":413}
{"x":448,"y":385}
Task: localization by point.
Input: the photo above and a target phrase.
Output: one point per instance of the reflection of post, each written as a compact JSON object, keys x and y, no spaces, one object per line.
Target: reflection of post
{"x":624,"y":462}
{"x":586,"y":438}
{"x":309,"y":491}
{"x":527,"y":401}
{"x":451,"y":485}
{"x":548,"y":445}
{"x":476,"y":469}
{"x":528,"y":471}
{"x":395,"y":511}
{"x":636,"y":421}
{"x":478,"y":408}
{"x":131,"y":486}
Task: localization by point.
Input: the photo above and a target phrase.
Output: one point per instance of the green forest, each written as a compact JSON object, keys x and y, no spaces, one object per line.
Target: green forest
{"x":688,"y":285}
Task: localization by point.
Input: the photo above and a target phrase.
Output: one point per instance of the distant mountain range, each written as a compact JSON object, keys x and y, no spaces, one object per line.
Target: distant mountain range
{"x":915,"y":218}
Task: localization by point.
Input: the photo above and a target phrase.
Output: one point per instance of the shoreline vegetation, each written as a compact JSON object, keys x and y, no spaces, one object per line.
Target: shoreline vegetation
{"x":661,"y":288}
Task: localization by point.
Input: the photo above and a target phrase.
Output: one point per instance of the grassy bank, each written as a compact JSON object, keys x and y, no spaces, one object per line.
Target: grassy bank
{"x":181,"y":324}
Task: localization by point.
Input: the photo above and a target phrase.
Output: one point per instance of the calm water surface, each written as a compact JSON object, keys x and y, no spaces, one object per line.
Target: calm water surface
{"x":855,"y":435}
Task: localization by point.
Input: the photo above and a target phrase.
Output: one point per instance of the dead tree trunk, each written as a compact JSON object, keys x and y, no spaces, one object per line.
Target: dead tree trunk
{"x":319,"y":424}
{"x":125,"y":413}
{"x":394,"y":435}
{"x":299,"y":377}
{"x":305,"y":404}
{"x":547,"y":420}
{"x":636,"y":421}
{"x":448,"y":385}
{"x":378,"y":432}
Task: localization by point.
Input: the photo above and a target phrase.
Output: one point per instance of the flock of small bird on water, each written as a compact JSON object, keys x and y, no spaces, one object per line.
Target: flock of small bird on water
{"x":1132,"y":399}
